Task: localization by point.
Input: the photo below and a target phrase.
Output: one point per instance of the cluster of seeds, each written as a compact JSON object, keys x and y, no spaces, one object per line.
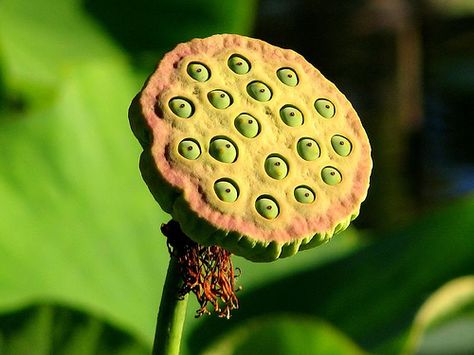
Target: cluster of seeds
{"x":226,"y":151}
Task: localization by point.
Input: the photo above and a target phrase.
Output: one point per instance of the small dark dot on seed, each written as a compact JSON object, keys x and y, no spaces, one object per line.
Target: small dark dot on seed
{"x":306,"y":194}
{"x":190,"y":148}
{"x":289,"y":75}
{"x":277,"y":163}
{"x":327,"y":106}
{"x":239,"y":63}
{"x":292,"y":113}
{"x":199,"y":70}
{"x":227,"y":145}
{"x":222,"y":95}
{"x":269,"y":207}
{"x":309,"y":144}
{"x":262,"y":90}
{"x":333,"y":173}
{"x":341,"y":143}
{"x":181,"y":106}
{"x":250,"y":121}
{"x":227,"y":190}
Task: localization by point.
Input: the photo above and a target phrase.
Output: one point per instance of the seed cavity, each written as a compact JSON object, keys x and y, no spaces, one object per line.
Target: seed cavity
{"x":308,"y":149}
{"x":325,"y":108}
{"x":181,"y":107}
{"x":223,"y":149}
{"x":331,"y":175}
{"x":341,"y":145}
{"x":267,"y":207}
{"x":288,"y":76}
{"x":198,"y":71}
{"x":291,"y":116}
{"x":189,"y":149}
{"x":238,"y":64}
{"x":259,"y":91}
{"x":219,"y":99}
{"x":226,"y":190}
{"x":276,"y":167}
{"x":247,"y":125}
{"x":304,"y":194}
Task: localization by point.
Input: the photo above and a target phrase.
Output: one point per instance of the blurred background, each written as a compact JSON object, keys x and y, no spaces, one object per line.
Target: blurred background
{"x":82,"y":260}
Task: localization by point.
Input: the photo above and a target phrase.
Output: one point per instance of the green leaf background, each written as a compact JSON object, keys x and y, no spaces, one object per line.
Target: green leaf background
{"x":82,"y":260}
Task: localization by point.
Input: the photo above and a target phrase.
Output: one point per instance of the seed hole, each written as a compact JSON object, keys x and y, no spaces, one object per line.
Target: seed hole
{"x":226,"y":190}
{"x":304,"y":194}
{"x":267,"y":207}
{"x":287,"y":76}
{"x":276,"y":166}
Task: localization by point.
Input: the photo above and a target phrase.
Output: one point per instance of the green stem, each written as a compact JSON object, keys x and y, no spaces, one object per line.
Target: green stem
{"x":169,"y":325}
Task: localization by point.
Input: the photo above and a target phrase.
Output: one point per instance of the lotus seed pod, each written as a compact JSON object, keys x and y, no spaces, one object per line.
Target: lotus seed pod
{"x":240,"y":171}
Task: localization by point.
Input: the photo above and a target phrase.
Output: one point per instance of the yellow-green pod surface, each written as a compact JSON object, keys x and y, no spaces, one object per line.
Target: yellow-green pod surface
{"x":249,"y":147}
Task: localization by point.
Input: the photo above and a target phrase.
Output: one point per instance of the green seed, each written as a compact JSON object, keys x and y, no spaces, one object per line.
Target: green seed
{"x":226,"y":190}
{"x":291,"y":116}
{"x":341,"y":145}
{"x":259,"y":91}
{"x":219,"y":99}
{"x":331,"y":176}
{"x":189,"y":149}
{"x":304,"y":194}
{"x":276,"y":167}
{"x":198,"y":72}
{"x":308,"y":149}
{"x":287,"y":76}
{"x":238,"y":64}
{"x":181,"y":107}
{"x":247,"y":125}
{"x":223,"y":150}
{"x":267,"y":207}
{"x":325,"y":108}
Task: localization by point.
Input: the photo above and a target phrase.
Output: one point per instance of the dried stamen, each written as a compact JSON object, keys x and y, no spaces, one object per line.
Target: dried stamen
{"x":206,"y":271}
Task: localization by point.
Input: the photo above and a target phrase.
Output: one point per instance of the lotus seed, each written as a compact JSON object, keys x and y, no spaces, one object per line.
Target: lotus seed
{"x":181,"y":107}
{"x":341,"y":145}
{"x":223,"y":150}
{"x":276,"y":167}
{"x":226,"y":190}
{"x":287,"y":76}
{"x":259,"y":91}
{"x":291,"y":116}
{"x":238,"y":64}
{"x":267,"y":207}
{"x":308,"y":149}
{"x":247,"y":125}
{"x":189,"y":149}
{"x":219,"y":99}
{"x":331,"y":176}
{"x":304,"y":194}
{"x":325,"y":108}
{"x":198,"y":72}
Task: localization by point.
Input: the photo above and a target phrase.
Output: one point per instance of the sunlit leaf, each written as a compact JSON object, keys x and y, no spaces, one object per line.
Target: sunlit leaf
{"x":78,"y":223}
{"x":46,"y":330}
{"x":443,"y":310}
{"x":283,"y":335}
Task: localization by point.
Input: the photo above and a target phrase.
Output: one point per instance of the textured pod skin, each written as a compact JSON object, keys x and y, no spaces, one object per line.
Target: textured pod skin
{"x":185,"y":188}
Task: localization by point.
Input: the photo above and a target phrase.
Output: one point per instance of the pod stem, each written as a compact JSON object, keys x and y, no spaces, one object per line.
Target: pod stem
{"x":169,"y":325}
